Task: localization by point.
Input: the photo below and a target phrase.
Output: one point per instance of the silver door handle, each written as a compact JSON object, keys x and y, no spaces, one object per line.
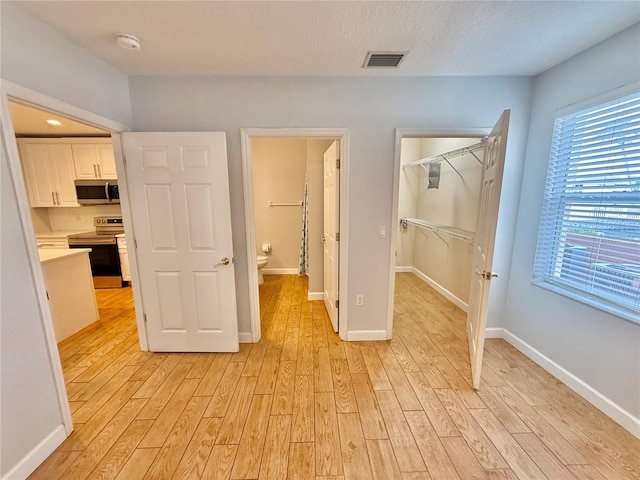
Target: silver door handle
{"x":224,"y":261}
{"x":487,"y":275}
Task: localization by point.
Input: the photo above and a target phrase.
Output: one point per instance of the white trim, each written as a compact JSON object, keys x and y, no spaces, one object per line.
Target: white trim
{"x":13,"y":160}
{"x":246,"y":134}
{"x":245,"y":337}
{"x":44,"y":102}
{"x":279,"y":271}
{"x":610,"y":408}
{"x":441,"y":290}
{"x":366,"y":335}
{"x":399,"y":135}
{"x":27,"y":465}
{"x":404,"y":269}
{"x":30,"y":97}
{"x":311,"y":296}
{"x":495,"y":332}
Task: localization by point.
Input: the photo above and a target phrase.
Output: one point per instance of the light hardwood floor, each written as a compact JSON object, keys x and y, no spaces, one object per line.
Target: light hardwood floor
{"x":301,"y":404}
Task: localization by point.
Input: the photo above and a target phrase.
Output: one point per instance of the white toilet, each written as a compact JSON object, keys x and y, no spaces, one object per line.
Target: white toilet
{"x":262,"y":261}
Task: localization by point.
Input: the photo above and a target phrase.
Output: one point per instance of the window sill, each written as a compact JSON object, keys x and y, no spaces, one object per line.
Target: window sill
{"x":588,"y":300}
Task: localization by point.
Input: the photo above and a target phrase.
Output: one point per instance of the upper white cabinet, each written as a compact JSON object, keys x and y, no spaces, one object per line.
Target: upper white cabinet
{"x":94,"y":160}
{"x":49,"y":174}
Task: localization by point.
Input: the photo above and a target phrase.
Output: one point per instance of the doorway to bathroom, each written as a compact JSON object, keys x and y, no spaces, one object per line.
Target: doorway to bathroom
{"x":295,"y":214}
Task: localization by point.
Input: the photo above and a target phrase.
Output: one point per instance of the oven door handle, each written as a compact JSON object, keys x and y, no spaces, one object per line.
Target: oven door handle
{"x":106,"y":191}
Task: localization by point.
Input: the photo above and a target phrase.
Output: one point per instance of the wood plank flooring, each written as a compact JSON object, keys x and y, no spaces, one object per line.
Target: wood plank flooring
{"x":301,"y":404}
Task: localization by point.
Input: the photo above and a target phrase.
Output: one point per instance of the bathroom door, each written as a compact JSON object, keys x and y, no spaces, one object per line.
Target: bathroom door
{"x":331,"y":236}
{"x":492,"y":169}
{"x":179,"y":196}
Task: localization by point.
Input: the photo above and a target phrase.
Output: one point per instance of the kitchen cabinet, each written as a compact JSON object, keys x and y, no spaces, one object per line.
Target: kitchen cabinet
{"x":94,"y":160}
{"x":49,"y":174}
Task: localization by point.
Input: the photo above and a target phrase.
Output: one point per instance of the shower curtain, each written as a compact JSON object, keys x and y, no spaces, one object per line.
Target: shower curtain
{"x":303,"y":264}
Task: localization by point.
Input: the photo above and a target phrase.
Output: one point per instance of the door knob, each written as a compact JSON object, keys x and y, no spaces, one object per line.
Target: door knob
{"x":224,"y":261}
{"x":487,"y":275}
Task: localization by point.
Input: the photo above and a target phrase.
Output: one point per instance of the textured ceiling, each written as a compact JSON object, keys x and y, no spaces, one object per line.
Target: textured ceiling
{"x":333,"y":37}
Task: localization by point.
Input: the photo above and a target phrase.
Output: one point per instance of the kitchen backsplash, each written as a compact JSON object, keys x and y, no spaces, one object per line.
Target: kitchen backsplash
{"x":78,"y":218}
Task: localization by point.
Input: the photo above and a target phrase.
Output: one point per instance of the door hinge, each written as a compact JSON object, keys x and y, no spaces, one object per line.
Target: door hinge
{"x":337,"y":303}
{"x":47,"y":292}
{"x":144,"y":315}
{"x":337,"y":163}
{"x":124,"y":160}
{"x":337,"y":236}
{"x":135,"y":243}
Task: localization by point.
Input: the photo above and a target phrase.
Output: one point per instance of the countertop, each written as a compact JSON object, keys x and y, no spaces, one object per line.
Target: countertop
{"x":58,"y":234}
{"x":52,"y":254}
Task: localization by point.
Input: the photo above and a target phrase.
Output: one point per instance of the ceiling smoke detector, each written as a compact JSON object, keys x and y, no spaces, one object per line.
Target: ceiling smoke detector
{"x":127,"y":41}
{"x":383,"y":59}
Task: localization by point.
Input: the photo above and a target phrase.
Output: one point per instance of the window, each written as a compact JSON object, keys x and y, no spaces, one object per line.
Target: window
{"x":589,"y":240}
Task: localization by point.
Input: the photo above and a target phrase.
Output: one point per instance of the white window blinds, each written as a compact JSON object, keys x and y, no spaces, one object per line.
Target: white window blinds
{"x":589,"y":240}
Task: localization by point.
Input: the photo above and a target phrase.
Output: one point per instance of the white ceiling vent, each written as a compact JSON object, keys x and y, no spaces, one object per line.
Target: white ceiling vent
{"x":383,"y":59}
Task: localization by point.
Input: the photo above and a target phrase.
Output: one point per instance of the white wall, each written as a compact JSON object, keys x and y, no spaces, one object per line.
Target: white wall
{"x":601,"y":349}
{"x":279,"y":168}
{"x":371,"y":108}
{"x":407,"y":201}
{"x":35,"y":56}
{"x":29,"y":409}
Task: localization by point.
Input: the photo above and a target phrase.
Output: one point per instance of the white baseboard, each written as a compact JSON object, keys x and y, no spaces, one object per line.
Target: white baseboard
{"x":279,"y":271}
{"x":366,"y":335}
{"x":37,"y":455}
{"x":494,"y":333}
{"x":441,"y":290}
{"x":610,"y":408}
{"x":311,"y":296}
{"x":245,"y":337}
{"x":404,"y":269}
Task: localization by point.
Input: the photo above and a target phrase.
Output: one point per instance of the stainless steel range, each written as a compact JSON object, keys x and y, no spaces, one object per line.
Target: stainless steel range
{"x":104,"y":257}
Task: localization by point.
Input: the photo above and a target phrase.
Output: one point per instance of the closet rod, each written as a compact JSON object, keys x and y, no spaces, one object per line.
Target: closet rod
{"x":454,"y":232}
{"x":285,"y":204}
{"x":446,"y":156}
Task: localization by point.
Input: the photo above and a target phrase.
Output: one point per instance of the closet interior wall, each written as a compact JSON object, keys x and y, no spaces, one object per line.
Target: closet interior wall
{"x":438,"y":258}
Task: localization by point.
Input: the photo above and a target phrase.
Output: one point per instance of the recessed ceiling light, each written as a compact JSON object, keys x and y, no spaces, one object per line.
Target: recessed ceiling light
{"x":54,"y":122}
{"x":128,"y":41}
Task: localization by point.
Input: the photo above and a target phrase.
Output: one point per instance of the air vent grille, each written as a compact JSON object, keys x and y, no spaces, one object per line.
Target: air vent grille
{"x":383,"y":59}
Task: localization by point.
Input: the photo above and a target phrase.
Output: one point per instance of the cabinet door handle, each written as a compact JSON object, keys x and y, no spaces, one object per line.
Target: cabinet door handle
{"x":99,"y":170}
{"x":95,"y":171}
{"x":53,"y":197}
{"x":57,"y":198}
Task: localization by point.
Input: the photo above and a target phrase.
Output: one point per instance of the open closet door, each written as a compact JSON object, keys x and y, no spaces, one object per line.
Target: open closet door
{"x":331,"y":235}
{"x":179,"y":194}
{"x":492,"y":169}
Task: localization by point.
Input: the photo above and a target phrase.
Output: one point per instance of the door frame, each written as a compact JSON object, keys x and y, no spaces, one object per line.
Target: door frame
{"x":15,"y":92}
{"x":400,"y":134}
{"x":246,"y":135}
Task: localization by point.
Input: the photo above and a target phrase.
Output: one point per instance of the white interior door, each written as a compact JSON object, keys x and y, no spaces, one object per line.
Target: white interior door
{"x":331,"y":229}
{"x":493,"y":167}
{"x":179,"y":194}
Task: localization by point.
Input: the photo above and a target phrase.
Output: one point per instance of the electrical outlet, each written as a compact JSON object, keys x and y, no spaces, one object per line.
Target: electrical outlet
{"x":359,"y":300}
{"x":382,"y":231}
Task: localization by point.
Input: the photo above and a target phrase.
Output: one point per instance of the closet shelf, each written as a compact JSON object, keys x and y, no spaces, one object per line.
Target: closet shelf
{"x":446,"y":156}
{"x":454,"y":232}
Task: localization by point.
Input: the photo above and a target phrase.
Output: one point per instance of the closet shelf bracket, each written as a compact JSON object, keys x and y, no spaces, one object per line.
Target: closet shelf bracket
{"x":437,"y":229}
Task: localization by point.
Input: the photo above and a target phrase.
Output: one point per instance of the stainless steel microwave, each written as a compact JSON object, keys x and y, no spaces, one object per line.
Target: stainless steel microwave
{"x":97,"y":192}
